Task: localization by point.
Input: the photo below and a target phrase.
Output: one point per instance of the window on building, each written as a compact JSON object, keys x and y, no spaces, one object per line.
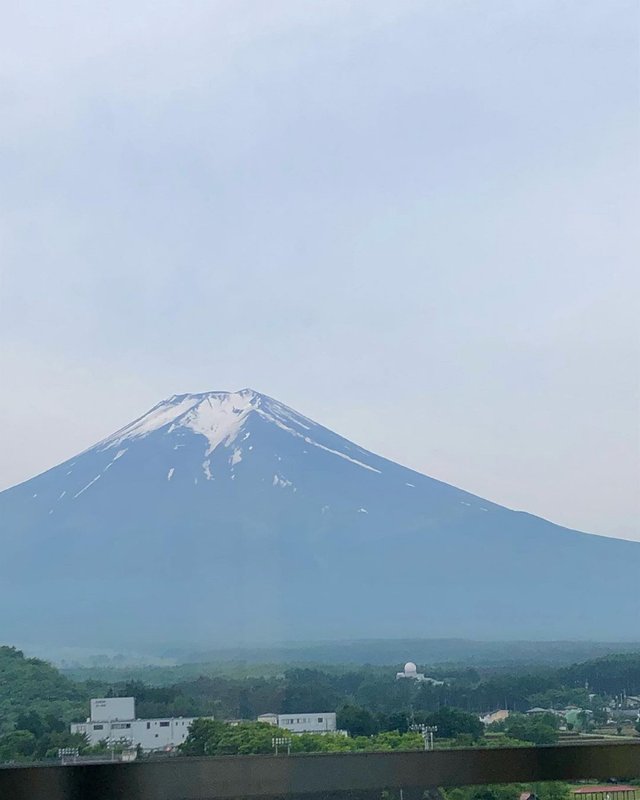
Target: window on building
{"x":98,"y":727}
{"x":319,"y":719}
{"x":164,"y":724}
{"x":148,"y":725}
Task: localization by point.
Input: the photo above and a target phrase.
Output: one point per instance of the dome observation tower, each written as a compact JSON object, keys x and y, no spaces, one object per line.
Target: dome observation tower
{"x":410,"y":671}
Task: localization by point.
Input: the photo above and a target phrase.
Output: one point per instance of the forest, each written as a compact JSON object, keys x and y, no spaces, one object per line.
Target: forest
{"x":37,"y":701}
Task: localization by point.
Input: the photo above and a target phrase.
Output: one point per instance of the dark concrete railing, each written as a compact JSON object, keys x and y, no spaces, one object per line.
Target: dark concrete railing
{"x":307,"y":777}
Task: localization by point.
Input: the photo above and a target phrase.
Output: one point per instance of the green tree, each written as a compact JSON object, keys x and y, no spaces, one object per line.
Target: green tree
{"x":213,"y":738}
{"x":490,"y":792}
{"x":539,"y":729}
{"x":203,"y":737}
{"x":248,"y":738}
{"x":31,"y":721}
{"x":451,"y":722}
{"x":552,"y":790}
{"x":309,"y":690}
{"x":393,"y":740}
{"x":17,"y":746}
{"x":49,"y":744}
{"x":583,"y":720}
{"x":357,"y":720}
{"x":325,"y":743}
{"x":394,"y":722}
{"x":464,"y":740}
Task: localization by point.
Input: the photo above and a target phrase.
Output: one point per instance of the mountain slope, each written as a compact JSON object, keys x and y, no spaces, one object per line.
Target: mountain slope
{"x":221,"y":517}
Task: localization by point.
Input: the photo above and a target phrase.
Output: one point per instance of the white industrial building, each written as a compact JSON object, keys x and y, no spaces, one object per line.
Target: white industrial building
{"x":318,"y":722}
{"x":114,"y":719}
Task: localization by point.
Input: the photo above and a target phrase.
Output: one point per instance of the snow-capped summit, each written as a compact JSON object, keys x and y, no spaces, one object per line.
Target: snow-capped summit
{"x":224,"y":516}
{"x":221,"y":419}
{"x":216,"y":415}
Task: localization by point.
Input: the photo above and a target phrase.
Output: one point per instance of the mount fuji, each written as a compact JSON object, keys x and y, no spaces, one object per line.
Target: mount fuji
{"x":227,"y":517}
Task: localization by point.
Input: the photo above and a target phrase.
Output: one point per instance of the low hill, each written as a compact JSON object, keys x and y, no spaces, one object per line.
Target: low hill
{"x":29,"y":685}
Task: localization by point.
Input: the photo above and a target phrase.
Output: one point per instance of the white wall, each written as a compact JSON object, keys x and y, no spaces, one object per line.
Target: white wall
{"x":150,"y":734}
{"x":110,"y":708}
{"x":318,"y":722}
{"x":154,"y":734}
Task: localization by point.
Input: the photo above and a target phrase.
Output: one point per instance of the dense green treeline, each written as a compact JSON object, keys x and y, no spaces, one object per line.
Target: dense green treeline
{"x":211,"y":737}
{"x":612,"y":675}
{"x":37,"y":702}
{"x":307,"y":689}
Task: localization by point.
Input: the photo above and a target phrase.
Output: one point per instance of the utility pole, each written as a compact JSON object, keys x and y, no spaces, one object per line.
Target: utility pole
{"x":281,"y":741}
{"x":426,"y":731}
{"x":429,"y":731}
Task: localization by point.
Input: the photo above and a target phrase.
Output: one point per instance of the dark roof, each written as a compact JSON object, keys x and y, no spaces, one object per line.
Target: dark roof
{"x":608,"y":787}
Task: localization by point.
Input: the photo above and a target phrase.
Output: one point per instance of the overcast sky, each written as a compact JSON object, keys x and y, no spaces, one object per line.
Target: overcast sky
{"x":416,"y":222}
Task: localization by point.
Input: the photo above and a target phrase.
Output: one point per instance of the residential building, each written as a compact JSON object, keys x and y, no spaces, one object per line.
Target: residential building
{"x":494,"y":716}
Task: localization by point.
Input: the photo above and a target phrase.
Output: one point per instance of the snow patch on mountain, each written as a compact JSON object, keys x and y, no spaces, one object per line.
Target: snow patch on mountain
{"x":118,"y":455}
{"x":342,"y":455}
{"x":84,"y":488}
{"x":278,"y":480}
{"x":219,"y":418}
{"x":161,"y":415}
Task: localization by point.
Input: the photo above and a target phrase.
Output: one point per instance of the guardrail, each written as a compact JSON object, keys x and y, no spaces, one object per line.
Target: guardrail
{"x":311,"y":777}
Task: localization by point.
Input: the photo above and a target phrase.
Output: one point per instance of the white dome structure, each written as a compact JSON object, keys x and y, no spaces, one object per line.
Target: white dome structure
{"x":410,"y":671}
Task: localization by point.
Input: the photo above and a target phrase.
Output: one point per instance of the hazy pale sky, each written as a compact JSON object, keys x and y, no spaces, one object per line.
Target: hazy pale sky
{"x":415,"y":222}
